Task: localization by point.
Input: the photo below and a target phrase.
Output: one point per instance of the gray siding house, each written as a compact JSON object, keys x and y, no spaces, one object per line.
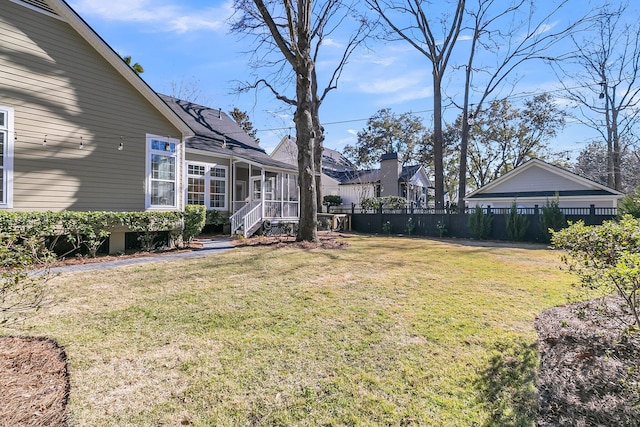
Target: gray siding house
{"x":226,"y":170}
{"x":79,"y":130}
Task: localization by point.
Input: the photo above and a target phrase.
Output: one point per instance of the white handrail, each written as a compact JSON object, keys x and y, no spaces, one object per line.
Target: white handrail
{"x":252,"y":218}
{"x":237,"y":218}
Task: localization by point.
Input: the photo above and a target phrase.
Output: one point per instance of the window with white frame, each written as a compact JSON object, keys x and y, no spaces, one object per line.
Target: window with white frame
{"x":218,"y":188}
{"x":162,"y":162}
{"x":207,"y":185}
{"x":6,"y":156}
{"x":196,"y":184}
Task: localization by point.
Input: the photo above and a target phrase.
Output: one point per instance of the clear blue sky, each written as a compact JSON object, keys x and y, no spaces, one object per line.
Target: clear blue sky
{"x":187,"y":42}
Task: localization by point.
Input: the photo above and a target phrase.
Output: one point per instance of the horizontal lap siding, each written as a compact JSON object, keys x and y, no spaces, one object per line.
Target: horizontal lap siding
{"x":59,"y":86}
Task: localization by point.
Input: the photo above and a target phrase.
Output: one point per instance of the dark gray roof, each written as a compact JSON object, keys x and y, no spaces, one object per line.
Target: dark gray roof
{"x":369,"y":176}
{"x":550,"y":194}
{"x":336,"y":161}
{"x":216,"y":132}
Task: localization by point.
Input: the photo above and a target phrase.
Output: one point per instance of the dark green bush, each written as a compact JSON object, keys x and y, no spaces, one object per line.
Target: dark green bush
{"x":332,"y":200}
{"x":517,"y":224}
{"x":195,"y":217}
{"x":552,"y":218}
{"x":480,"y":224}
{"x":630,"y":204}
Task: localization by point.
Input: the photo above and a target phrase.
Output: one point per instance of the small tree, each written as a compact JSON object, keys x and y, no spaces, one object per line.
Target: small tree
{"x":606,"y":258}
{"x":517,"y":224}
{"x":480,"y":223}
{"x":331,"y":200}
{"x":552,"y":218}
{"x":630,"y":204}
{"x":21,"y":290}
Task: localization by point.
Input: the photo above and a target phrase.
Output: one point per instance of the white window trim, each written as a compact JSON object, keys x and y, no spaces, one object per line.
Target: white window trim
{"x":7,"y":181}
{"x":148,"y":152}
{"x":207,"y":183}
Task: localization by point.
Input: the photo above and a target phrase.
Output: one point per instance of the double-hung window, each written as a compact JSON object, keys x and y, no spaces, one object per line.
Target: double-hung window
{"x":6,"y":157}
{"x":207,"y":185}
{"x":218,"y":188}
{"x":162,"y":162}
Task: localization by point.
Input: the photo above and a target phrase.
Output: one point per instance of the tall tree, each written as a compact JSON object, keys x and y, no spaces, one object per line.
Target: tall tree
{"x":504,"y":36}
{"x":387,"y":132}
{"x":504,"y":137}
{"x":592,"y":163}
{"x":434,"y":37}
{"x":288,"y":36}
{"x":242,"y":119}
{"x":608,"y":97}
{"x":136,"y":67}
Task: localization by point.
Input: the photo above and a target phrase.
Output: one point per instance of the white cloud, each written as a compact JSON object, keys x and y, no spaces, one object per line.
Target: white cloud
{"x":352,"y":132}
{"x":165,"y":17}
{"x":329,"y":42}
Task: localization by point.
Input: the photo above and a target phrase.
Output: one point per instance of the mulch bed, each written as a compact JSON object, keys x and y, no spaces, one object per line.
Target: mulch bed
{"x":326,"y":240}
{"x":589,"y":366}
{"x":34,"y":382}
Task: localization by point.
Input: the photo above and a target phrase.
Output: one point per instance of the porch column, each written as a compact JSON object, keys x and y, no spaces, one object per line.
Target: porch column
{"x":232,"y":186}
{"x":262,"y":191}
{"x":250,"y":183}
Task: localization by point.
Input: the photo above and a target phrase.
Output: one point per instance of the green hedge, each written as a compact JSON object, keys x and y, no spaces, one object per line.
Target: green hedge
{"x":40,"y":232}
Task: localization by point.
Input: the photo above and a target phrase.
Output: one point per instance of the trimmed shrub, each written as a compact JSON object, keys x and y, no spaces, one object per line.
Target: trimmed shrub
{"x":195,"y":217}
{"x":480,"y":224}
{"x":606,"y":258}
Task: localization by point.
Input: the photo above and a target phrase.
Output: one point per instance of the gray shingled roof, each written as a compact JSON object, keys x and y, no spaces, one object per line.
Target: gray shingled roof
{"x":369,"y":176}
{"x":216,"y":132}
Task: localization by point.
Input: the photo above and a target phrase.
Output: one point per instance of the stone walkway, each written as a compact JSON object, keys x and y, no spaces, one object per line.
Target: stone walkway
{"x":209,"y":247}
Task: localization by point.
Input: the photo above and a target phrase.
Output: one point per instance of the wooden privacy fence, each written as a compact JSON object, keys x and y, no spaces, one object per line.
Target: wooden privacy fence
{"x":443,"y":222}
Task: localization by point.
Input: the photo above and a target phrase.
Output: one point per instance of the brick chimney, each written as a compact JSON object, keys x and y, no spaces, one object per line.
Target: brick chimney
{"x":390,"y":170}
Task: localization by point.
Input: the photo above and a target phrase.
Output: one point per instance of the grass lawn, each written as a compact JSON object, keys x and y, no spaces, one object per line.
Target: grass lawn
{"x":390,"y":331}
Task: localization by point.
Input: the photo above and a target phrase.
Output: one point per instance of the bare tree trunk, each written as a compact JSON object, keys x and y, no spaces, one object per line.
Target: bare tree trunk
{"x":303,"y":118}
{"x":438,"y":142}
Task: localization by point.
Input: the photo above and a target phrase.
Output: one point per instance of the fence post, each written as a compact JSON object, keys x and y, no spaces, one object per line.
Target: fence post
{"x":488,"y":209}
{"x":411,"y":208}
{"x":353,"y":208}
{"x":592,"y":214}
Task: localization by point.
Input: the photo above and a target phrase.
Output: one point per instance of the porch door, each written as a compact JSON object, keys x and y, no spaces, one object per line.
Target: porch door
{"x":256,"y":189}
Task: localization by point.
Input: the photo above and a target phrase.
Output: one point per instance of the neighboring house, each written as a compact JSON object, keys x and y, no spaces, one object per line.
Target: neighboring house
{"x":79,"y":130}
{"x":392,"y":179}
{"x":536,"y":182}
{"x":340,"y":177}
{"x":227,"y":170}
{"x":333,"y":163}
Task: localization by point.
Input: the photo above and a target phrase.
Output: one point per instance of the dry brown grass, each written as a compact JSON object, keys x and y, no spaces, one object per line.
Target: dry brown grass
{"x":34,"y":382}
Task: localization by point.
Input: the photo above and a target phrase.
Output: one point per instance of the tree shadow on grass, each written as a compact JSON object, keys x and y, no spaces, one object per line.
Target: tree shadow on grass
{"x":507,"y":386}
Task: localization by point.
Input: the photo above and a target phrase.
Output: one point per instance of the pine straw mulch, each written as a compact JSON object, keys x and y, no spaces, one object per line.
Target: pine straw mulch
{"x":34,"y":382}
{"x":589,"y":366}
